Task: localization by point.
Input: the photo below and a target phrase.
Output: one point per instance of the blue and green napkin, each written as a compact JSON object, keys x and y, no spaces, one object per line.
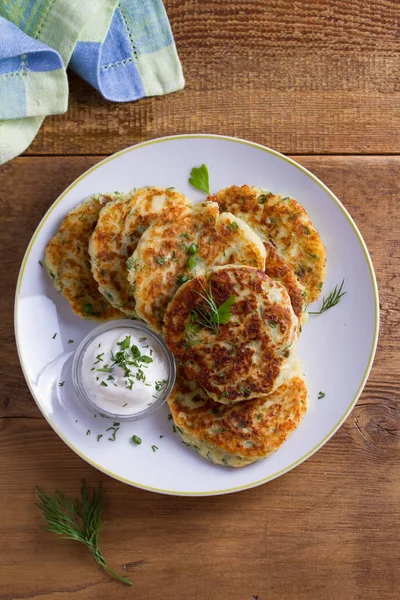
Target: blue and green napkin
{"x":124,"y":49}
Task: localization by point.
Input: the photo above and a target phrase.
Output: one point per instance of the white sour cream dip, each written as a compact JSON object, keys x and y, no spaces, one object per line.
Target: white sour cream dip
{"x":124,"y":371}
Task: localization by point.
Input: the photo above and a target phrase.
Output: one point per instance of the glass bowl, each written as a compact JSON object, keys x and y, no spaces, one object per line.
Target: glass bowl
{"x":83,"y":394}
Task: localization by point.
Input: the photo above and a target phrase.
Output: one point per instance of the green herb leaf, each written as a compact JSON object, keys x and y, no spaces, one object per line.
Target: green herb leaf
{"x":100,"y":435}
{"x":161,"y":260}
{"x":70,"y":341}
{"x":199,"y":179}
{"x":191,"y":263}
{"x":321,"y":395}
{"x":146,"y":359}
{"x":104,"y":370}
{"x":136,"y":439}
{"x":78,"y":520}
{"x":182,"y":279}
{"x":193,"y":249}
{"x":61,"y":383}
{"x":54,"y":336}
{"x":40,"y":263}
{"x":125,"y":343}
{"x":331,"y":300}
{"x":88,"y":309}
{"x":155,"y":448}
{"x":135,"y":351}
{"x":224,"y":311}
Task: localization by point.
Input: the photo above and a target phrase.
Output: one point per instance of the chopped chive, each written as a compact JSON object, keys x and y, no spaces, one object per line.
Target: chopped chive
{"x":321,"y":395}
{"x":136,"y":439}
{"x":100,"y":435}
{"x":70,"y":341}
{"x":54,"y":336}
{"x":155,"y":448}
{"x":103,"y":383}
{"x":61,"y":383}
{"x":88,"y":432}
{"x":40,"y":263}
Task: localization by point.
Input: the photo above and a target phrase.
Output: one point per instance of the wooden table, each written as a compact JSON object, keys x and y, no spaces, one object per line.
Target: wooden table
{"x":318,"y":80}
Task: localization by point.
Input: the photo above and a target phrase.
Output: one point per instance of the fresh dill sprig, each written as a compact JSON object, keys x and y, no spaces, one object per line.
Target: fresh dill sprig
{"x":331,"y":300}
{"x":78,"y":520}
{"x":199,"y":179}
{"x":209,"y":314}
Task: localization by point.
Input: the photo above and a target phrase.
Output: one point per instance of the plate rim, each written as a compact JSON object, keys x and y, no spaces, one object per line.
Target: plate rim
{"x":376,"y":313}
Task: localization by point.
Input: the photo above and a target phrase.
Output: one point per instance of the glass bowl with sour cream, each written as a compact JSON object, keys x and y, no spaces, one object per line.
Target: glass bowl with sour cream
{"x":123,"y":370}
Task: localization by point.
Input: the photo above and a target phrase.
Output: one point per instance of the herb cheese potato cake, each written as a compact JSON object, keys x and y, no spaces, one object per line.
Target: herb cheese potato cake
{"x":67,"y":262}
{"x":234,"y":331}
{"x":117,"y":233}
{"x":289,"y":236}
{"x":171,"y":252}
{"x":237,"y":435}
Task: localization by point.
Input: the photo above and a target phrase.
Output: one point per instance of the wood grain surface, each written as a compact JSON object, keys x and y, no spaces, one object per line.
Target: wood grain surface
{"x":313,"y":79}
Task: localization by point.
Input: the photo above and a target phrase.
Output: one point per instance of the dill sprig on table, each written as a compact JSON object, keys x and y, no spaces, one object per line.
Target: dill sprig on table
{"x":331,"y":300}
{"x":78,"y":520}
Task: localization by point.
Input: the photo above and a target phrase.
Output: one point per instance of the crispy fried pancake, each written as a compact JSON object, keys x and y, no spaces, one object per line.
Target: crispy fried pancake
{"x":248,"y":356}
{"x":285,"y":226}
{"x":241,"y":434}
{"x":118,"y":232}
{"x":67,"y":262}
{"x":170,"y":253}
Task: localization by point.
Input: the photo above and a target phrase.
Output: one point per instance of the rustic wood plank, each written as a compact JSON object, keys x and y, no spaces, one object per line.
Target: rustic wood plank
{"x":328,"y":529}
{"x":318,"y":77}
{"x":323,"y":530}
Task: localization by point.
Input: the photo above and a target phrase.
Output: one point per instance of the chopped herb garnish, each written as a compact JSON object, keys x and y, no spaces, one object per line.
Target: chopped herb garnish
{"x":191,"y":263}
{"x":160,"y":385}
{"x":182,"y":279}
{"x":100,"y":435}
{"x":264,"y":197}
{"x":70,"y":341}
{"x":126,"y":404}
{"x":161,"y":260}
{"x":155,"y":448}
{"x":54,"y":336}
{"x":143,"y":339}
{"x":185,"y":235}
{"x":169,"y":417}
{"x":209,"y":314}
{"x":61,"y":383}
{"x":193,"y":249}
{"x":232,"y":226}
{"x":331,"y":300}
{"x":135,"y":351}
{"x":199,"y":179}
{"x":146,"y":359}
{"x":136,"y":439}
{"x":105,"y":370}
{"x":125,"y":343}
{"x":40,"y":263}
{"x":161,"y":437}
{"x":103,"y":383}
{"x":321,"y":395}
{"x":88,"y":432}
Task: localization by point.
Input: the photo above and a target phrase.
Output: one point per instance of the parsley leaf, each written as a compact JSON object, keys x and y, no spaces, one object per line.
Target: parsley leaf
{"x":199,"y":179}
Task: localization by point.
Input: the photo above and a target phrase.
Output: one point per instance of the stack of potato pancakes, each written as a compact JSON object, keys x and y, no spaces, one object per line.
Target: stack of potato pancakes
{"x":226,"y":281}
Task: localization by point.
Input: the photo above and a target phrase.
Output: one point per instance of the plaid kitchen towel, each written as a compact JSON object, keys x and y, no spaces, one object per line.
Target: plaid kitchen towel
{"x":124,"y":49}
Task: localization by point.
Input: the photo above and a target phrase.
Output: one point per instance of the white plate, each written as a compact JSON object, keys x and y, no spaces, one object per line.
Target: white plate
{"x":337,"y":348}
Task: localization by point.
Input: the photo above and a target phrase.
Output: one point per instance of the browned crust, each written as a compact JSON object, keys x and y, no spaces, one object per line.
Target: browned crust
{"x":249,"y":430}
{"x":285,"y":223}
{"x":67,"y":262}
{"x":241,"y":360}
